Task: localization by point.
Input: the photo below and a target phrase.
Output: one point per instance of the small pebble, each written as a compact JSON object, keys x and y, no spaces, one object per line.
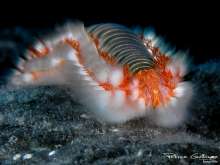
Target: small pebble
{"x":51,"y":153}
{"x":27,"y":156}
{"x":16,"y":156}
{"x":140,"y":153}
{"x":84,"y":116}
{"x":115,"y":130}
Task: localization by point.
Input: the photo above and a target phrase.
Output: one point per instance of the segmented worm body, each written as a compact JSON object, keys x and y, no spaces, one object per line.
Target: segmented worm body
{"x":113,"y":71}
{"x":122,"y":45}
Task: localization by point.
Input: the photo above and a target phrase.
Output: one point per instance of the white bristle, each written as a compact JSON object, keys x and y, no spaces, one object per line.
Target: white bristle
{"x":27,"y":77}
{"x":103,"y":99}
{"x":172,"y":69}
{"x":71,"y":55}
{"x":175,"y":112}
{"x":39,"y":46}
{"x":116,"y":77}
{"x":134,"y":94}
{"x":119,"y":98}
{"x":103,"y":76}
{"x":173,"y":101}
{"x":141,"y":104}
{"x":55,"y":62}
{"x":179,"y":90}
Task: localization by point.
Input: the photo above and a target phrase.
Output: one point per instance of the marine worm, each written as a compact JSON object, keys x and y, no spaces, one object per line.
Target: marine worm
{"x":115,"y":72}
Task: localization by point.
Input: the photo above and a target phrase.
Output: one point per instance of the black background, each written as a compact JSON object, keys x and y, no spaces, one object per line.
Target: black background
{"x":187,"y":26}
